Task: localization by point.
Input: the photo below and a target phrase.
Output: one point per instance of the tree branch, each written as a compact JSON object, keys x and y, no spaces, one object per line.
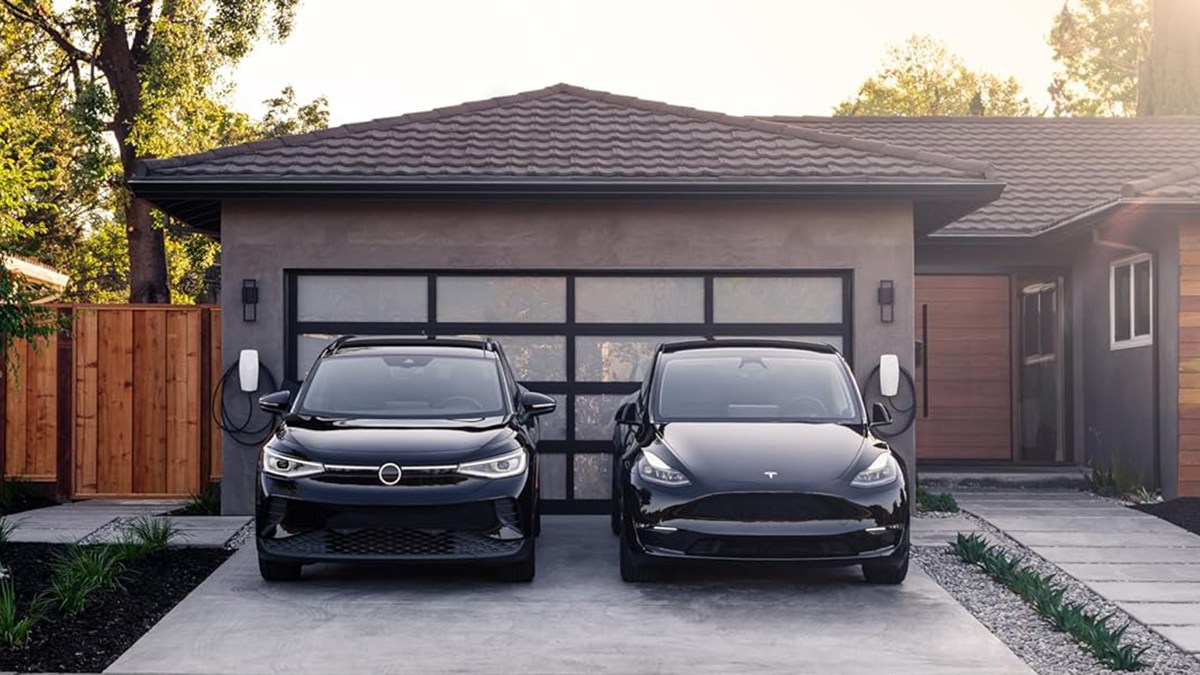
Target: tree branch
{"x":34,"y":17}
{"x":141,"y":35}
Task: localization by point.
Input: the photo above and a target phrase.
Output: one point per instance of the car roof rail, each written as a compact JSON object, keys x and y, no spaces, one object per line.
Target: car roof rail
{"x":347,"y":341}
{"x":709,"y":342}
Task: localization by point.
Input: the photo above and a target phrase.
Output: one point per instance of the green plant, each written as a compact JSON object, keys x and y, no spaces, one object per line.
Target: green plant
{"x":14,"y":491}
{"x":936,"y":501}
{"x":7,"y":527}
{"x":83,"y":570}
{"x":15,"y":628}
{"x":203,"y":503}
{"x":1093,"y":631}
{"x":1114,"y":479}
{"x":146,"y":535}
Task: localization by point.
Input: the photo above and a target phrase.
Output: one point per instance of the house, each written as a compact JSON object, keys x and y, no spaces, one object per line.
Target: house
{"x":49,"y":281}
{"x":580,"y":228}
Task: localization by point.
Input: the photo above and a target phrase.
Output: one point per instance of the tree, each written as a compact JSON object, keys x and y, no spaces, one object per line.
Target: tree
{"x":145,"y":71}
{"x":922,"y":77}
{"x":1099,"y":45}
{"x":1169,"y":77}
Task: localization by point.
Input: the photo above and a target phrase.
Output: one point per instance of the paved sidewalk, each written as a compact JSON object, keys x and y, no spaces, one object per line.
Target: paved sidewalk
{"x":1145,"y":565}
{"x":576,"y":617}
{"x":74,"y":521}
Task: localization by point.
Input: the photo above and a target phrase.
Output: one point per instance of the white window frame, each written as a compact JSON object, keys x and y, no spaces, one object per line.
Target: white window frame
{"x":1134,"y":340}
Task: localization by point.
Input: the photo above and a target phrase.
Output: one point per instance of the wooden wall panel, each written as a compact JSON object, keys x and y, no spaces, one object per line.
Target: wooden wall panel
{"x":216,"y":368}
{"x":149,"y":402}
{"x":969,"y":366}
{"x":1188,"y":484}
{"x":86,"y":339}
{"x":114,"y":447}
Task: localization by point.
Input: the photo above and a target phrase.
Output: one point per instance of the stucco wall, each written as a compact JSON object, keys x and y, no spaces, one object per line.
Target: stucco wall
{"x":262,"y":239}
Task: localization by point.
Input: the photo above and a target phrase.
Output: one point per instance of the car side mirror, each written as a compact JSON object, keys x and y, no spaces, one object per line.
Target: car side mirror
{"x":538,"y":404}
{"x":880,"y":417}
{"x":276,"y":403}
{"x":628,"y":414}
{"x":889,"y":375}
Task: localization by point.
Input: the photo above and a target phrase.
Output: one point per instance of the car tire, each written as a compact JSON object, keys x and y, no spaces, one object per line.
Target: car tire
{"x":521,"y":571}
{"x":634,"y":568}
{"x":277,"y":571}
{"x":614,"y":514}
{"x":890,"y":571}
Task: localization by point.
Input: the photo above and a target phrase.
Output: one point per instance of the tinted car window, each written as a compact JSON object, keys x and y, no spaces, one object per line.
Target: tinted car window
{"x":754,"y":385}
{"x":405,"y":386}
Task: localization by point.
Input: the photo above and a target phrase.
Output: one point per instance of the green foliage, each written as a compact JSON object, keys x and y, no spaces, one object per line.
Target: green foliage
{"x":936,"y":501}
{"x":15,"y":491}
{"x":1098,"y":46}
{"x":15,"y":627}
{"x":82,"y":571}
{"x":922,"y":77}
{"x":1115,"y":479}
{"x":206,"y":502}
{"x":146,"y":535}
{"x":1093,"y":631}
{"x":7,"y":527}
{"x":21,"y":318}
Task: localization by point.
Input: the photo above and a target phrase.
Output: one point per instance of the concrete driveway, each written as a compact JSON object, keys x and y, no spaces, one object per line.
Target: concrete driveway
{"x":576,"y":617}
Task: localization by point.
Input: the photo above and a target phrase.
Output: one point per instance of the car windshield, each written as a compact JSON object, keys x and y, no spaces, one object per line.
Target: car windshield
{"x":408,"y":385}
{"x":755,"y":385}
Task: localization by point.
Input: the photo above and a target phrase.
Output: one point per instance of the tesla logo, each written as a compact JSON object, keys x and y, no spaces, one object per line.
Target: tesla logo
{"x":771,"y":474}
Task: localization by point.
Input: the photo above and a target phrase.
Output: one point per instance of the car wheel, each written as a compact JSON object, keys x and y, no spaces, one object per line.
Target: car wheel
{"x":521,"y":571}
{"x":276,"y":571}
{"x":890,"y":571}
{"x":634,"y":568}
{"x":537,"y":523}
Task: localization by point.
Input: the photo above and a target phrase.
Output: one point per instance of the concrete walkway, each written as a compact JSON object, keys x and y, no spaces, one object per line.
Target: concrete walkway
{"x":1145,"y":565}
{"x":75,"y":521}
{"x":576,"y":617}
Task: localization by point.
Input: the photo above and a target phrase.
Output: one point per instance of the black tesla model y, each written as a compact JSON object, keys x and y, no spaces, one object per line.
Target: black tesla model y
{"x":756,"y":450}
{"x":402,"y":449}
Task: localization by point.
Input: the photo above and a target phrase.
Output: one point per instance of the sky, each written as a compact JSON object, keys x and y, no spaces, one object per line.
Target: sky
{"x":379,"y":58}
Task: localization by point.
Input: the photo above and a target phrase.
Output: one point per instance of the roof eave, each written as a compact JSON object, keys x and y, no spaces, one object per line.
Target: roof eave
{"x":196,"y":201}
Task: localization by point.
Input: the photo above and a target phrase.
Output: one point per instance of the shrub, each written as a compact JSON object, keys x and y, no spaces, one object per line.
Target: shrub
{"x":15,"y":628}
{"x":936,"y":501}
{"x":14,"y":492}
{"x":203,"y":503}
{"x":1093,"y":631}
{"x":7,"y":527}
{"x":146,"y":535}
{"x":81,"y":571}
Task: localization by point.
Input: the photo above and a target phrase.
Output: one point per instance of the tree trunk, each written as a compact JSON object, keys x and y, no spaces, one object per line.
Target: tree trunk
{"x":1169,"y":78}
{"x":147,"y":254}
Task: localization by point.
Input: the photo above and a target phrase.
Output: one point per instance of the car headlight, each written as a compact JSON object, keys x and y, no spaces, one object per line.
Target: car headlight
{"x":504,"y":466}
{"x":883,"y":471}
{"x":286,"y":466}
{"x":653,"y":469}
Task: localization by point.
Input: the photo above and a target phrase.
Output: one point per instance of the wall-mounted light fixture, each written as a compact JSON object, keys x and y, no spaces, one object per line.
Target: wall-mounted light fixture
{"x":887,"y":301}
{"x":249,"y":300}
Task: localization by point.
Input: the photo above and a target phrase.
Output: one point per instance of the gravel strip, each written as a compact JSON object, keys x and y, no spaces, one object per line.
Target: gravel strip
{"x":243,"y":535}
{"x":98,"y":536}
{"x":1024,"y":631}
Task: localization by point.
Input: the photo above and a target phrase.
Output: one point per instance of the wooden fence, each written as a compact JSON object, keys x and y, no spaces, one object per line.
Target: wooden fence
{"x":120,"y":406}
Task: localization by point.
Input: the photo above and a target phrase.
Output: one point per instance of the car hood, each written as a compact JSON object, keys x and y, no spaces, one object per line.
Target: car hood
{"x":354,"y":441}
{"x":742,"y":452}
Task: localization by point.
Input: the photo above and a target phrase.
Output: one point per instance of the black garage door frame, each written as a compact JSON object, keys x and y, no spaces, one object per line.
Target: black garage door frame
{"x":570,"y":329}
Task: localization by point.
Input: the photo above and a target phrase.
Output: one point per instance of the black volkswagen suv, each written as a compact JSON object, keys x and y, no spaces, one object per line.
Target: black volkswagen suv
{"x":402,"y":449}
{"x":756,"y":450}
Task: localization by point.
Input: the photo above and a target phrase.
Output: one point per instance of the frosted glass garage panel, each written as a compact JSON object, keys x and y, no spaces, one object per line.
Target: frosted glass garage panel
{"x":639,"y":300}
{"x":362,"y":298}
{"x":593,"y":476}
{"x":536,"y":358}
{"x":614,"y":359}
{"x":594,"y":415}
{"x":554,"y":425}
{"x":552,"y":475}
{"x":777,"y":300}
{"x":502,"y":299}
{"x":308,"y":348}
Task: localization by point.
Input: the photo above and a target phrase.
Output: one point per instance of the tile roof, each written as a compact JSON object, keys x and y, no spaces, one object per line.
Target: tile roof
{"x":567,"y":132}
{"x":1178,"y":183}
{"x":1054,"y":168}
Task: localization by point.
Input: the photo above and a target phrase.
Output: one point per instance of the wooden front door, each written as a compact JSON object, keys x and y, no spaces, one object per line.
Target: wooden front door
{"x":964,"y":377}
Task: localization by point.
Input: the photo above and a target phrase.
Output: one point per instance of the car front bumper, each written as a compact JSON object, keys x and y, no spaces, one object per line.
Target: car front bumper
{"x":306,"y":521}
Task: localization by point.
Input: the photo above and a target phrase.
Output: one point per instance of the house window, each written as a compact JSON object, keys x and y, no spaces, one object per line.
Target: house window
{"x":1131,"y":310}
{"x":1039,"y":322}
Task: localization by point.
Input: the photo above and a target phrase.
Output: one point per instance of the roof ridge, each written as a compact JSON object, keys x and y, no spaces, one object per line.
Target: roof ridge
{"x":983,"y":119}
{"x":1141,"y":186}
{"x":983,"y":168}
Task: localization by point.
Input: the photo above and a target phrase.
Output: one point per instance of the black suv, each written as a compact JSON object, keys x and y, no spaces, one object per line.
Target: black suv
{"x":402,"y":449}
{"x":756,"y":450}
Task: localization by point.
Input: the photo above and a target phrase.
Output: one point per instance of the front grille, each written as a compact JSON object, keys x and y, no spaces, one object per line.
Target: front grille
{"x":770,"y":507}
{"x":770,"y":547}
{"x":398,"y":543}
{"x":409,"y":477}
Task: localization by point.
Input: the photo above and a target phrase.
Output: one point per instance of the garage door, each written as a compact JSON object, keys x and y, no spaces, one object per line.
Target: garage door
{"x":584,"y":338}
